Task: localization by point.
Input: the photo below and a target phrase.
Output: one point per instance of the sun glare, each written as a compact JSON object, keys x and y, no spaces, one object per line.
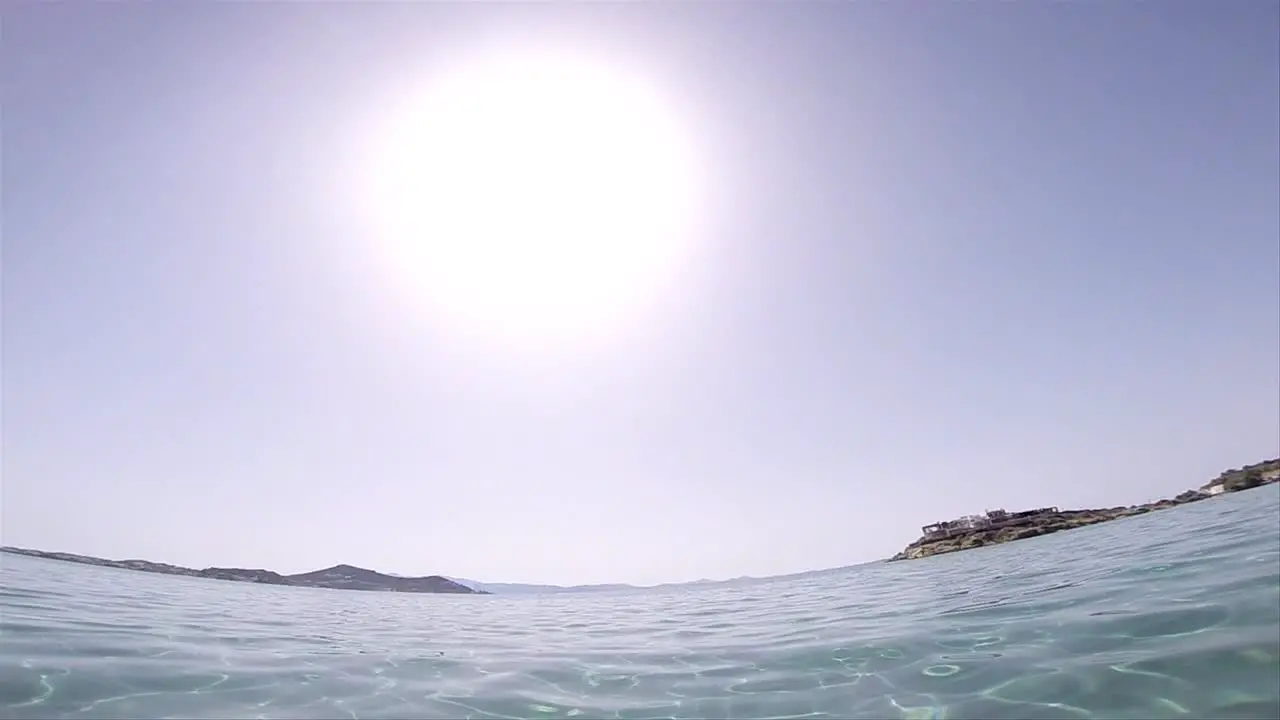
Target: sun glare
{"x":537,"y":194}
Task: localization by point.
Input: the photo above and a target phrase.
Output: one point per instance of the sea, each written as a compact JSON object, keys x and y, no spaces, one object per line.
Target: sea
{"x":1173,"y":614}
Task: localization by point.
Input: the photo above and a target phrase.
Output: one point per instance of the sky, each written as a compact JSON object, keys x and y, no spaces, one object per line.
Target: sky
{"x":960,"y":256}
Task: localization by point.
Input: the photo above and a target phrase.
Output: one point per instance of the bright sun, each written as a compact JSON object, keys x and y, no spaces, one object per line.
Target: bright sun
{"x":536,"y":194}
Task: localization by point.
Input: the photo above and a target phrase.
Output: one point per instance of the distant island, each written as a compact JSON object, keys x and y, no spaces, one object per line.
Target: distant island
{"x":344,"y":577}
{"x":338,"y":577}
{"x":999,"y":526}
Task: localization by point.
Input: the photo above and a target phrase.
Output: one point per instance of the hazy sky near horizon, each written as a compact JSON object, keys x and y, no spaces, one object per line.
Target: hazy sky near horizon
{"x":960,"y":256}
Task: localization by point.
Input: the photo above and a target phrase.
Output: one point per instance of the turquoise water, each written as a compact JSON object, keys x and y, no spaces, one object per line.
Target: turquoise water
{"x":1175,"y":614}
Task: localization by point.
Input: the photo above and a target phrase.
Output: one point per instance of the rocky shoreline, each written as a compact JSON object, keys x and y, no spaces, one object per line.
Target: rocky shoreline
{"x":1250,"y":476}
{"x":338,"y":577}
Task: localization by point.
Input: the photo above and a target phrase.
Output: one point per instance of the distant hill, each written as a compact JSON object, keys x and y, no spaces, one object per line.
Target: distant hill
{"x":349,"y":577}
{"x":338,"y":577}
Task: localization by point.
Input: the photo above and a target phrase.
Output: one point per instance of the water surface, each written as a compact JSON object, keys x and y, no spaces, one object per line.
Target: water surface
{"x":1174,"y":614}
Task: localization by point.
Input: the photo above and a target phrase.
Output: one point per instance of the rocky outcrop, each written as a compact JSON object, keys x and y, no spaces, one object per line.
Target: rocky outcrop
{"x":341,"y":577}
{"x":1051,"y":522}
{"x":1029,"y":527}
{"x":1249,"y":476}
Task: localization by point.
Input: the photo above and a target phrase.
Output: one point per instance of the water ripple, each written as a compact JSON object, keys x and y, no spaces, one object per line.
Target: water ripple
{"x":1173,"y":614}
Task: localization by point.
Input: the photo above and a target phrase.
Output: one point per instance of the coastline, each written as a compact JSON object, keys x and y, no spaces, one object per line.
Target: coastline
{"x":938,"y":539}
{"x":338,"y":577}
{"x":1021,"y":526}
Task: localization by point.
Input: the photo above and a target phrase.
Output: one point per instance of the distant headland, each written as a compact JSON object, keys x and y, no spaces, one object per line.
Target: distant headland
{"x":338,"y":577}
{"x":999,"y":526}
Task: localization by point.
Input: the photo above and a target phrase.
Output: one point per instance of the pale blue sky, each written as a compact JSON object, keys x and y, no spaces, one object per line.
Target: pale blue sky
{"x":967,"y":255}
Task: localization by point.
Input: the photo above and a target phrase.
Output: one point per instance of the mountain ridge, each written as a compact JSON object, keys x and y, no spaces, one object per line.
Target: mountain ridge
{"x":338,"y":577}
